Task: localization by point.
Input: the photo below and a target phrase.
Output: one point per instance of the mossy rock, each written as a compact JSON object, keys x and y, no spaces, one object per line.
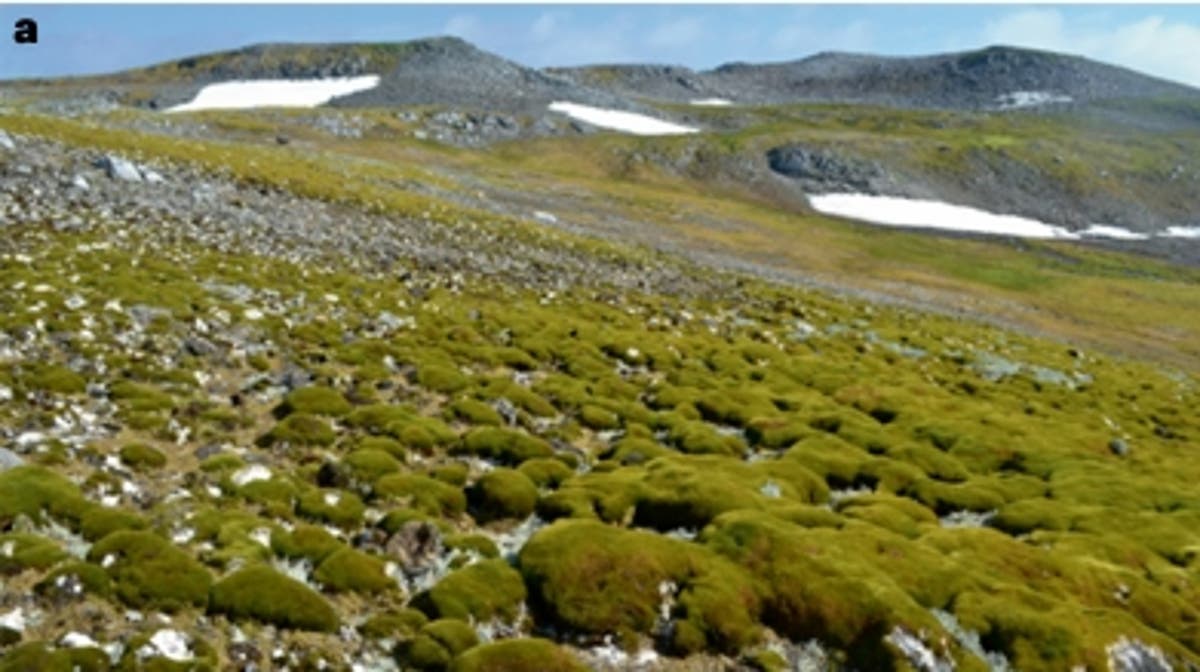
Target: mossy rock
{"x":369,"y":464}
{"x":635,"y":450}
{"x":92,"y":579}
{"x":34,"y":491}
{"x":598,"y":418}
{"x":57,"y":379}
{"x":299,"y":430}
{"x":388,"y":445}
{"x":27,"y":551}
{"x":149,"y":573}
{"x":502,"y":493}
{"x":475,"y":543}
{"x":477,"y":592}
{"x":546,"y":472}
{"x":349,"y":569}
{"x":315,"y":400}
{"x":142,"y":457}
{"x":437,"y":644}
{"x":506,"y":446}
{"x":140,"y":397}
{"x":440,"y":378}
{"x":475,"y":412}
{"x":309,"y":542}
{"x":423,"y":493}
{"x":203,"y":656}
{"x":599,"y":579}
{"x":43,"y":657}
{"x":399,"y":625}
{"x":336,"y":507}
{"x":265,"y":595}
{"x":518,"y":655}
{"x":454,"y":473}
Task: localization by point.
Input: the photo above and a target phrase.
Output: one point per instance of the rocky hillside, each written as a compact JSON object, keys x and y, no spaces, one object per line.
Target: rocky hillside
{"x":992,"y":78}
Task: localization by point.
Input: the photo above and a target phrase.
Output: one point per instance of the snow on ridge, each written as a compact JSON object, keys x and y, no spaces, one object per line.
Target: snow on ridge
{"x":244,"y":94}
{"x":711,"y":102}
{"x":1019,"y":99}
{"x":1181,"y":232}
{"x":629,"y":122}
{"x":1115,"y":232}
{"x":920,"y":213}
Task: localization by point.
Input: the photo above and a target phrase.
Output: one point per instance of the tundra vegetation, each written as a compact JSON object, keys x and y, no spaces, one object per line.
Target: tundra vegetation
{"x":228,"y":454}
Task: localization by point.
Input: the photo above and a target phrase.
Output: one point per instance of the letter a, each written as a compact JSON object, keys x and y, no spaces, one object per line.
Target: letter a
{"x":26,"y":32}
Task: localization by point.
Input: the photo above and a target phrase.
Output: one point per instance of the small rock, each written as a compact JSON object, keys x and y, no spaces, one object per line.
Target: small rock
{"x":9,"y":459}
{"x":1119,"y":447}
{"x":80,"y":182}
{"x":244,"y":654}
{"x":416,"y":544}
{"x":119,"y":169}
{"x":207,"y":450}
{"x":6,"y":142}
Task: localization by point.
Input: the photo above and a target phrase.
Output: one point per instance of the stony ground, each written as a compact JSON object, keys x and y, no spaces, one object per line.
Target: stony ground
{"x":246,"y":427}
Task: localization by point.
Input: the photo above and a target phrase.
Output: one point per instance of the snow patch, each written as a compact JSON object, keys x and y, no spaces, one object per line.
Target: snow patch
{"x":1181,"y":232}
{"x":629,"y":122}
{"x":711,"y":102}
{"x":1114,"y":232}
{"x":1019,"y":99}
{"x":896,"y":211}
{"x":243,"y":94}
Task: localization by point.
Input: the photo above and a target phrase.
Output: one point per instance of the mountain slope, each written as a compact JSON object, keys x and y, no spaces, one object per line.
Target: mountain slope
{"x":981,"y":79}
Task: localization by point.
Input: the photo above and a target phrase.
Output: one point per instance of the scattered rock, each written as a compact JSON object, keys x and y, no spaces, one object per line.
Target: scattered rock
{"x":417,"y":544}
{"x":9,"y":459}
{"x":119,"y":169}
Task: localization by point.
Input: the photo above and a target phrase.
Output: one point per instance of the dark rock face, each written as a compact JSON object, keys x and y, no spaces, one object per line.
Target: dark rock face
{"x":821,"y":171}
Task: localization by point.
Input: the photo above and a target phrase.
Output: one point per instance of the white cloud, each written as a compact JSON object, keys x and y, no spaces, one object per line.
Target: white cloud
{"x":1152,"y":45}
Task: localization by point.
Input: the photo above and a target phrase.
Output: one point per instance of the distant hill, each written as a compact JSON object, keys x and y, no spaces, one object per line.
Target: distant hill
{"x":995,"y":77}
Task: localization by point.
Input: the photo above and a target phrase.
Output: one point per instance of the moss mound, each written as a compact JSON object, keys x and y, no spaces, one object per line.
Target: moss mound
{"x":437,"y":644}
{"x":315,"y":400}
{"x":502,"y":493}
{"x":265,"y":595}
{"x":601,"y":579}
{"x":517,"y":655}
{"x":352,"y":570}
{"x":149,"y":573}
{"x":506,"y":446}
{"x":423,"y":493}
{"x":479,"y":591}
{"x":142,"y":457}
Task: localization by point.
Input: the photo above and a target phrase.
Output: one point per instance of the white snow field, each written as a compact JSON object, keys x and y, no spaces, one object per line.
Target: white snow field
{"x":1181,"y":232}
{"x":1019,"y":99}
{"x":712,"y":102}
{"x":628,"y":122}
{"x":1114,"y":232}
{"x":245,"y":94}
{"x":894,"y":211}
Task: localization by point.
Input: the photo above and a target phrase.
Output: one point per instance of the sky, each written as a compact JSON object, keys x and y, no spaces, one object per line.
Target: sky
{"x":1162,"y":40}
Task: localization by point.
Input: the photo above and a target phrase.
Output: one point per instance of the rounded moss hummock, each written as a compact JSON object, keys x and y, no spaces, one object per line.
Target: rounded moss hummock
{"x":502,"y":493}
{"x":263,"y":594}
{"x":517,"y":655}
{"x":149,"y":573}
{"x":479,"y":591}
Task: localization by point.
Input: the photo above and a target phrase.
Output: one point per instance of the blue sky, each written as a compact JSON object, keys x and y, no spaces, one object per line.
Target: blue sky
{"x":83,"y":39}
